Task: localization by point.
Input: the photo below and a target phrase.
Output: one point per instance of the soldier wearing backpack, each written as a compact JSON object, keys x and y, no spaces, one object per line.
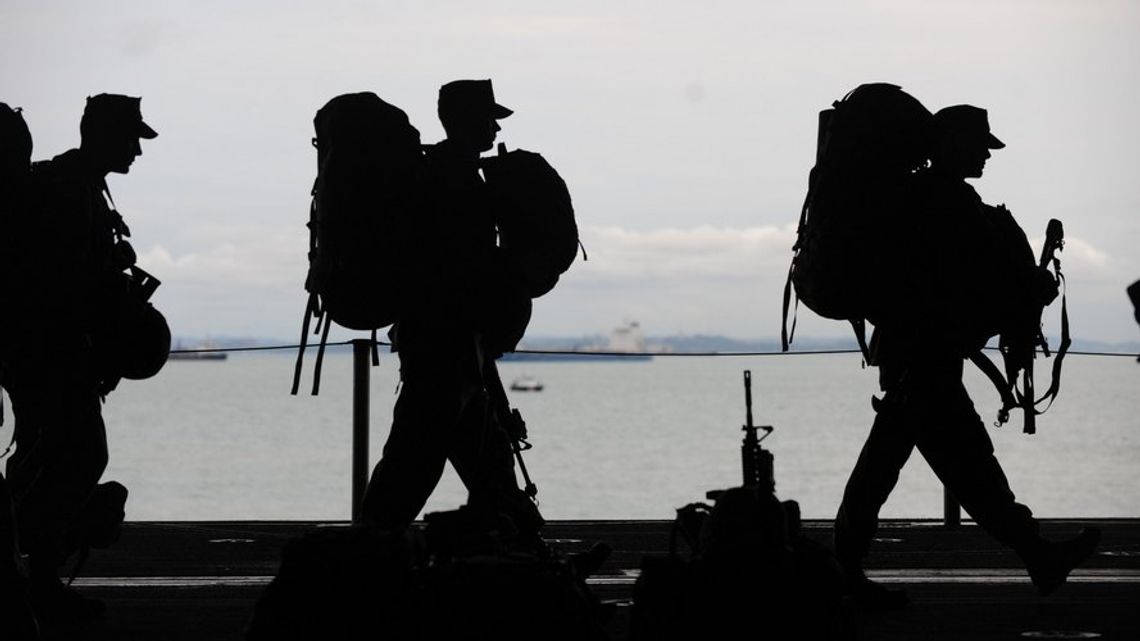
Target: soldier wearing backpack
{"x":73,"y":287}
{"x":17,"y":619}
{"x":966,"y":273}
{"x":460,"y":314}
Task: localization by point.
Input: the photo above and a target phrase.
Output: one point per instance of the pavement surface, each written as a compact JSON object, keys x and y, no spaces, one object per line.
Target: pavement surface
{"x":200,"y":580}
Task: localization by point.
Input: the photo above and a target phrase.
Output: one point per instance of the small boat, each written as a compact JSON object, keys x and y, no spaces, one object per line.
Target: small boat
{"x":526,"y":384}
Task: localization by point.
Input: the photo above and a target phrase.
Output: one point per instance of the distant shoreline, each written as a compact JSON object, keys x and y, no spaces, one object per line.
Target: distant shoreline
{"x":662,"y":345}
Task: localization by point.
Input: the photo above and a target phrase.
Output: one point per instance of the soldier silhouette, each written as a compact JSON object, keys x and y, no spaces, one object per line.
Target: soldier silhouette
{"x":70,"y":248}
{"x":17,"y":619}
{"x":946,"y":308}
{"x":450,"y":333}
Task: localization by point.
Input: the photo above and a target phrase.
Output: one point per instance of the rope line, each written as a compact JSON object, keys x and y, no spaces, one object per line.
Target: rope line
{"x":574,"y":352}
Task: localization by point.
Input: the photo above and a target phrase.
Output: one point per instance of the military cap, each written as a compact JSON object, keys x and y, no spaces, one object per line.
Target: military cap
{"x":473,"y":97}
{"x":117,"y":112}
{"x":967,"y":120}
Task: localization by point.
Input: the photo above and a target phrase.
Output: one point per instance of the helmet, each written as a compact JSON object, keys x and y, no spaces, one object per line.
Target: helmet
{"x":143,"y":345}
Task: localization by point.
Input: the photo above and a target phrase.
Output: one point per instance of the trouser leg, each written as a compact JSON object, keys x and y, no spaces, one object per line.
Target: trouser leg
{"x":483,"y":457}
{"x":954,"y":441}
{"x":425,"y":418}
{"x":9,"y":551}
{"x":61,"y":452}
{"x":884,"y":454}
{"x":481,"y":453}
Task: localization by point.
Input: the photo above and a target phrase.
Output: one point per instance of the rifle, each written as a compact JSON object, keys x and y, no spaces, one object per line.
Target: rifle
{"x":756,"y":461}
{"x":511,"y":421}
{"x":1018,"y":353}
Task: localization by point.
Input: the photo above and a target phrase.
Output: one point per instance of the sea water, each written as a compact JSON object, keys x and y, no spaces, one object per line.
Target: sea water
{"x":214,"y":440}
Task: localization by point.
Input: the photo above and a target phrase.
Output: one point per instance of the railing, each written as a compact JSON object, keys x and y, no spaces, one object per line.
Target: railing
{"x":362,"y":354}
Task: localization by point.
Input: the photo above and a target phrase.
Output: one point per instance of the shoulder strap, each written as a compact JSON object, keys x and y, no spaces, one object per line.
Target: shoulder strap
{"x":310,"y":311}
{"x":322,"y":319}
{"x":990,"y":369}
{"x":313,"y":305}
{"x":786,"y":334}
{"x":1063,"y":348}
{"x":1019,"y":365}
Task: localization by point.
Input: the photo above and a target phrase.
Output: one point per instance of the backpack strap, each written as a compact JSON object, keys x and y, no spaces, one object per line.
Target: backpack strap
{"x":322,"y":319}
{"x":787,"y":335}
{"x":310,"y":311}
{"x":1062,"y":349}
{"x":1006,"y":384}
{"x":1000,"y":382}
{"x":118,"y":225}
{"x":313,"y":305}
{"x":859,"y":325}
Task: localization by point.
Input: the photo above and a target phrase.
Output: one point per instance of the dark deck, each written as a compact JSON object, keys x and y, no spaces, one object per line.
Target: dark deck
{"x":199,"y":581}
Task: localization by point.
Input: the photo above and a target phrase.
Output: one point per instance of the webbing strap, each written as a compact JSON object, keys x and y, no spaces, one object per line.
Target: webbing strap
{"x":990,"y":369}
{"x":860,"y":327}
{"x":1006,"y":384}
{"x":787,"y":335}
{"x":323,"y":318}
{"x":310,"y":308}
{"x":1062,"y":349}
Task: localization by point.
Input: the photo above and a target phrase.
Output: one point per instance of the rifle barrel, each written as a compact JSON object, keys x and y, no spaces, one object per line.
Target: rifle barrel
{"x":748,"y":397}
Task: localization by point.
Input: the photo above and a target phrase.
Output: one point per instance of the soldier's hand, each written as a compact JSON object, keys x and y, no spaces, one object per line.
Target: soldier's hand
{"x":1045,"y":286}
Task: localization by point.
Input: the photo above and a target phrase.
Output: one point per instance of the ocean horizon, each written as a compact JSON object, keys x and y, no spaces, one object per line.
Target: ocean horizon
{"x":225,"y":440}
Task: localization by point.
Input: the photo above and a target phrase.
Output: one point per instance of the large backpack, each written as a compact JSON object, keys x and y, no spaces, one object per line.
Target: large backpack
{"x":535,"y":217}
{"x":15,"y":161}
{"x":367,"y":191}
{"x":868,"y":145}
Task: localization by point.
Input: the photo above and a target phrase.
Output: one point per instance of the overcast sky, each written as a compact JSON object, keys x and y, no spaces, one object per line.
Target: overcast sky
{"x":684,"y":130}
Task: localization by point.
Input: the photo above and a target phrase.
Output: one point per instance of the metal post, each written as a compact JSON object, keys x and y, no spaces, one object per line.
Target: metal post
{"x":951,"y":511}
{"x":361,"y":352}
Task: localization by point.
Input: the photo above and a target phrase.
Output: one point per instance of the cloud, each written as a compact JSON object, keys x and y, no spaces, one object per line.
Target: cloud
{"x":704,"y":252}
{"x":243,"y":257}
{"x":1080,"y":254}
{"x":247,"y":279}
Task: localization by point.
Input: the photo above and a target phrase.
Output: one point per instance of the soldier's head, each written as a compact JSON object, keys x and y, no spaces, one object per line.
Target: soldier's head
{"x":469,"y":114}
{"x":962,"y":141}
{"x":111,"y":128}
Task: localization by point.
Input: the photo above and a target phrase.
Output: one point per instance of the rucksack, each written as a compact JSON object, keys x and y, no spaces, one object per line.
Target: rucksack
{"x":367,"y":190}
{"x":868,"y":144}
{"x":725,"y":558}
{"x":535,"y":217}
{"x":16,"y":150}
